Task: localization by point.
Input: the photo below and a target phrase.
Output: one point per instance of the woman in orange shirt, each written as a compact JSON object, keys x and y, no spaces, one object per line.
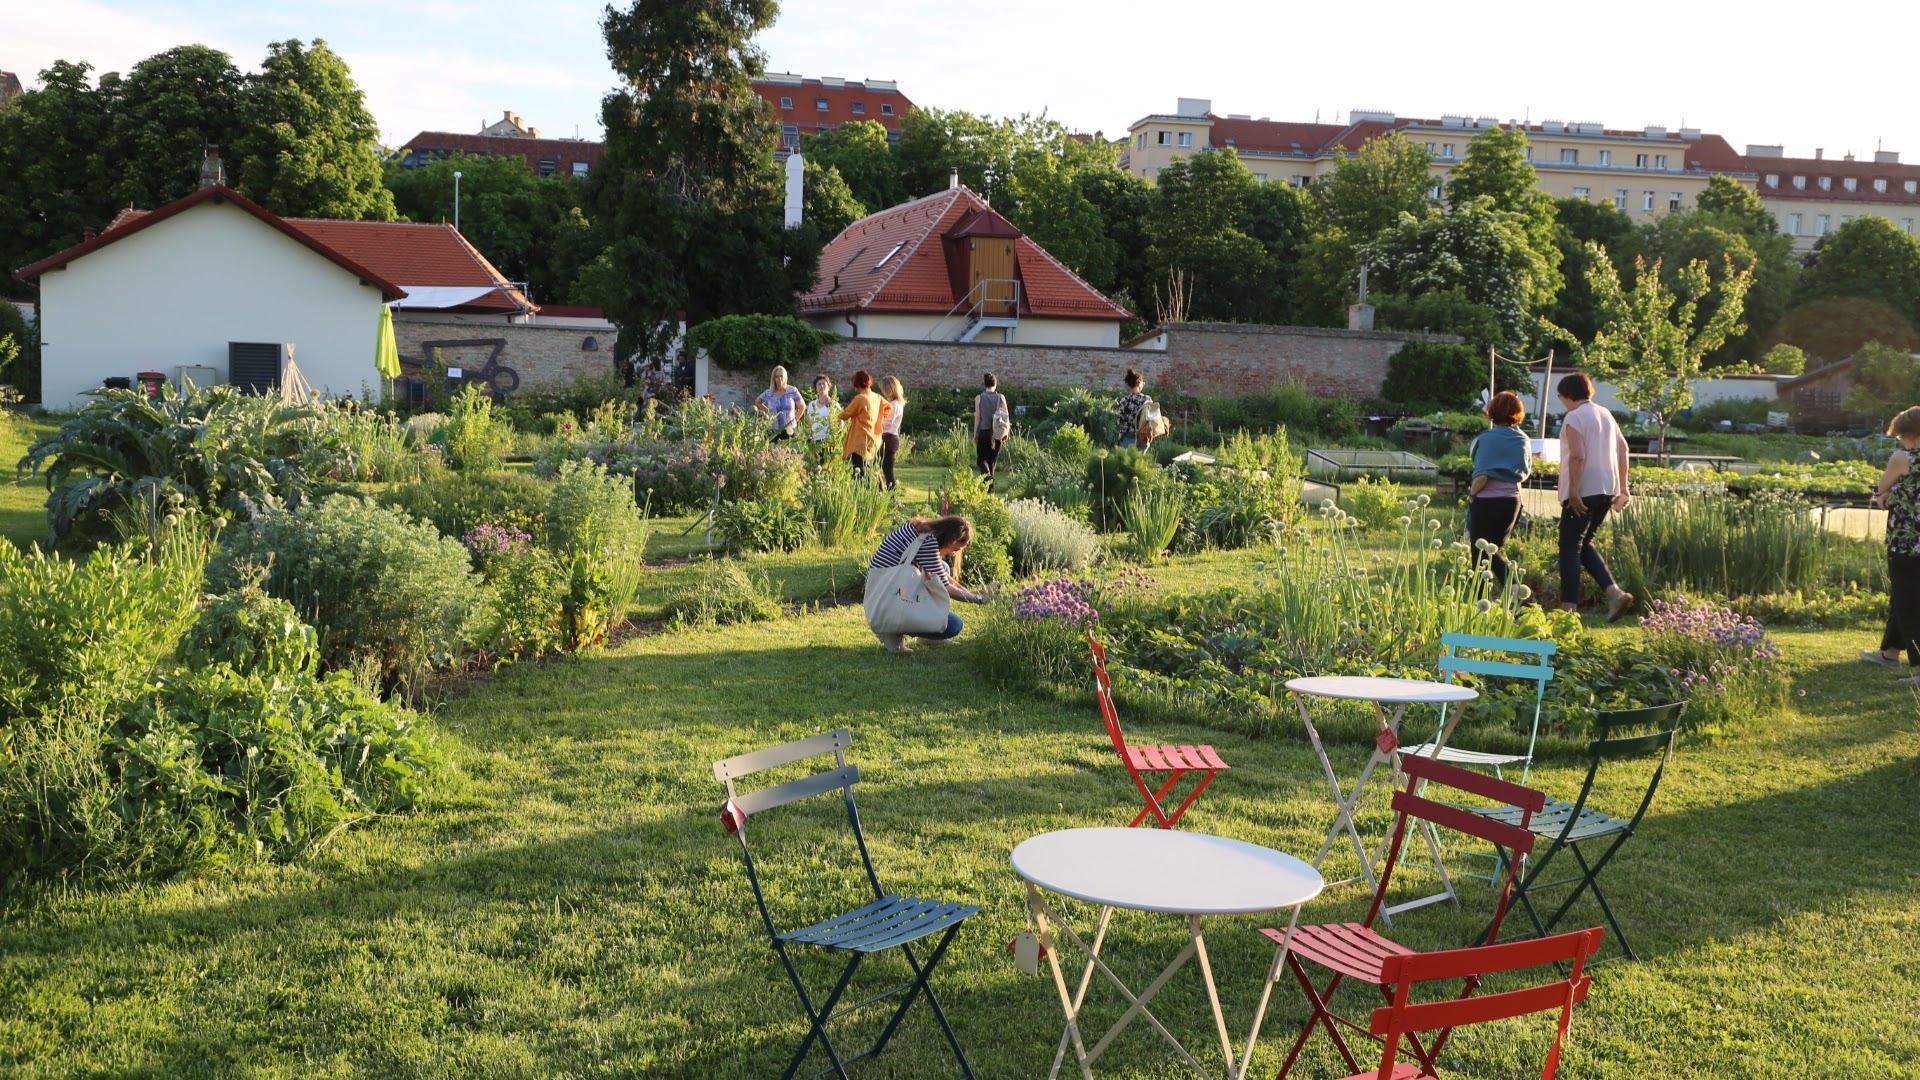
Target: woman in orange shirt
{"x":865,"y":415}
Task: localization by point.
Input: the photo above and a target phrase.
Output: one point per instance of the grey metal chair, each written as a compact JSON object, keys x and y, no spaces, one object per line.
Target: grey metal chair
{"x":891,"y":921}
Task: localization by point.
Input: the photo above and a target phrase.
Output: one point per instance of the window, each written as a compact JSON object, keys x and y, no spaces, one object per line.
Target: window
{"x":1606,"y":157}
{"x":1673,"y":200}
{"x":790,"y":136}
{"x":1163,"y":138}
{"x":823,"y":129}
{"x":859,"y":108}
{"x":1850,"y":184}
{"x":548,"y":166}
{"x":786,"y":103}
{"x":893,"y":136}
{"x":1800,"y":182}
{"x":1570,"y":157}
{"x":1260,"y":176}
{"x":1140,"y":142}
{"x":1429,"y":148}
{"x":1446,"y":151}
{"x":1793,"y":224}
{"x":1297,"y":181}
{"x":1639,"y":161}
{"x":1581,"y":193}
{"x":1826,"y":183}
{"x":1646,"y":201}
{"x":884,"y":259}
{"x":1906,"y":224}
{"x":1880,"y":186}
{"x":1913,"y":186}
{"x":1619,"y":198}
{"x":579,"y":168}
{"x":886,"y":109}
{"x":1821,"y":224}
{"x":1659,"y":161}
{"x":1186,"y":138}
{"x":820,"y":104}
{"x":1529,"y":153}
{"x":1773,"y":179}
{"x":1434,"y":191}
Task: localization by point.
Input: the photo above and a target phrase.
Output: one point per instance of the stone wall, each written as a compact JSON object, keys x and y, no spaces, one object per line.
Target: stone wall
{"x":1207,"y":359}
{"x":543,"y":355}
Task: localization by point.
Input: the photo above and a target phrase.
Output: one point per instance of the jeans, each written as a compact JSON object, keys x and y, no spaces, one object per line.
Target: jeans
{"x":1576,"y":547}
{"x":954,"y":626}
{"x":1492,"y":520}
{"x":889,"y":446}
{"x":859,"y":465}
{"x":1131,"y":438}
{"x":986,"y":452}
{"x":1903,"y":606}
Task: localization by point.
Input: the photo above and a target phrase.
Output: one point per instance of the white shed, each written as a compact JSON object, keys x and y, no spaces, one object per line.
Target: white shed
{"x":208,"y":282}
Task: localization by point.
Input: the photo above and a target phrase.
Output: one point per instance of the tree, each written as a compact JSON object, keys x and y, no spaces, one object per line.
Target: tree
{"x":1197,"y":228}
{"x":1883,"y":381}
{"x":1496,"y":169}
{"x":828,"y":204}
{"x":935,"y":142}
{"x":1649,"y":337}
{"x":1123,"y":202}
{"x":1045,"y":200}
{"x":1484,"y":253}
{"x":1784,"y":359}
{"x":688,"y":195}
{"x":1729,"y":227}
{"x":309,"y":147}
{"x":1366,"y":193}
{"x":54,"y":177}
{"x":531,"y":228}
{"x":1578,"y":223}
{"x":864,"y":159}
{"x":164,"y":114}
{"x":1867,"y":259}
{"x":1737,"y":204}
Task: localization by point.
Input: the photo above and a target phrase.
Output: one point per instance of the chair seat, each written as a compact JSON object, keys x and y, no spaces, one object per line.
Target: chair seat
{"x":1351,"y":949}
{"x":1401,"y":1071}
{"x":887,"y":923}
{"x":1453,"y":756}
{"x":1174,"y":759}
{"x":1551,"y":821}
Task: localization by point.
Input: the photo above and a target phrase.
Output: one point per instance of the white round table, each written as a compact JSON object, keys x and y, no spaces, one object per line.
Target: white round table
{"x":1164,"y":871}
{"x":1382,"y":692}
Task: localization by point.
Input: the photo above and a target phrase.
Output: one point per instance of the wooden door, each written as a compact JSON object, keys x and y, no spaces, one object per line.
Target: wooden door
{"x":993,"y":262}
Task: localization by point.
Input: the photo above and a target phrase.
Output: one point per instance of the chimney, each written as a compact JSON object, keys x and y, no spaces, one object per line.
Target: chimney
{"x":87,"y":233}
{"x":1819,"y":153}
{"x":1886,"y":157}
{"x":953,"y":180}
{"x":212,"y":172}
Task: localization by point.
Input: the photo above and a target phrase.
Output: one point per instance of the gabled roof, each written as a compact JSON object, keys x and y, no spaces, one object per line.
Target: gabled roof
{"x":893,"y":261}
{"x":132,"y":221}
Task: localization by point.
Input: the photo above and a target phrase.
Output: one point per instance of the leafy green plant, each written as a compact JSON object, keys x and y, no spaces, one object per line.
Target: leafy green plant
{"x":845,"y":511}
{"x":590,"y":510}
{"x":455,"y":503}
{"x":522,"y":617}
{"x":1374,"y":502}
{"x":1046,"y":538}
{"x":476,"y":437}
{"x":1112,"y":476}
{"x":727,"y":594}
{"x":378,"y":586}
{"x":1071,"y":444}
{"x":251,"y":632}
{"x":758,"y":342}
{"x":1151,"y":514}
{"x":745,"y":525}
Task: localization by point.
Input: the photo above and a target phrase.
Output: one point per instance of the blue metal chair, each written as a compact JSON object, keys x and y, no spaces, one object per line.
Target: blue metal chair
{"x":889,"y":922}
{"x":1454,"y":662}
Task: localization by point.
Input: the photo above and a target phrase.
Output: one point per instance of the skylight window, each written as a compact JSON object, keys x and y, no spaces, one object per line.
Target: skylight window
{"x":851,"y":258}
{"x":889,"y":255}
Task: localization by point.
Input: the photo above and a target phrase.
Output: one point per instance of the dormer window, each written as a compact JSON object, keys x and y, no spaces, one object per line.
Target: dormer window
{"x":820,"y":104}
{"x":786,"y":103}
{"x":1880,"y":185}
{"x":1850,"y":184}
{"x":1826,"y":183}
{"x":1800,"y":182}
{"x":1773,"y":179}
{"x":886,"y":109}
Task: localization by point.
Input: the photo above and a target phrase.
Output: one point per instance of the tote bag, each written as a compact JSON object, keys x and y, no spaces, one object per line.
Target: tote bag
{"x":903,"y":600}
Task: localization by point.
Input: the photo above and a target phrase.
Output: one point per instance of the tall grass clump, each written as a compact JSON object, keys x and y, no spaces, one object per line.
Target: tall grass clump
{"x":1151,"y":514}
{"x":846,"y":511}
{"x":1112,"y":475}
{"x":1732,"y":547}
{"x":728,"y":593}
{"x":477,"y":438}
{"x":1047,"y":538}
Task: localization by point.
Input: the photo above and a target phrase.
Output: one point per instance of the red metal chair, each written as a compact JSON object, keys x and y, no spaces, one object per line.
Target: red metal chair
{"x":1175,"y":760}
{"x":1403,"y":1019}
{"x":1356,"y":951}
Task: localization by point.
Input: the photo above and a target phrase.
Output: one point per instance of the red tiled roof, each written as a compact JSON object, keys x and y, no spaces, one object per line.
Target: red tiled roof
{"x":1864,"y":173}
{"x":806,"y":113}
{"x":562,"y":152}
{"x":1272,"y":136}
{"x":129,"y":222}
{"x":892,"y":262}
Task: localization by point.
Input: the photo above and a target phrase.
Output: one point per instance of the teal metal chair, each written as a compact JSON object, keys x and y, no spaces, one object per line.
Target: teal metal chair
{"x":1454,"y":661}
{"x":1580,"y":829}
{"x":890,"y":922}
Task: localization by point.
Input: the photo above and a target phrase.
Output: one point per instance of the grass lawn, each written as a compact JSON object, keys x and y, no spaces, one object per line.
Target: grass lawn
{"x":570,"y":906}
{"x":23,"y":500}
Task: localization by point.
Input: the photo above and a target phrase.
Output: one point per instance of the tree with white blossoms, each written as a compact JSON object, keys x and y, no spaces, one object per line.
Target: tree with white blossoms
{"x":1648,"y":341}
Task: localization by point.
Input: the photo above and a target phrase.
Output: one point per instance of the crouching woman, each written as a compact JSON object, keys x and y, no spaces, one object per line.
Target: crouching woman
{"x":943,"y":538}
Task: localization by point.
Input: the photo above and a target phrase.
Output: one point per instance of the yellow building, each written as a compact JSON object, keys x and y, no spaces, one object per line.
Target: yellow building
{"x":1812,"y":197}
{"x":1645,"y":172}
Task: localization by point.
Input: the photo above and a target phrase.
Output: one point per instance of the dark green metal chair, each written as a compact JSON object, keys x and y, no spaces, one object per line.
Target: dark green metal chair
{"x":890,"y":922}
{"x":1591,"y":836}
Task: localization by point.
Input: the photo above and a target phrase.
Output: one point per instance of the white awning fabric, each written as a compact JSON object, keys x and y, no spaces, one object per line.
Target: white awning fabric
{"x":440,"y":296}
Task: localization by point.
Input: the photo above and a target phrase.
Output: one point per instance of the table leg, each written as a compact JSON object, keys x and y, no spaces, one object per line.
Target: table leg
{"x":1345,"y":817}
{"x":1266,"y":992}
{"x":1136,"y":1005}
{"x":1213,"y":994}
{"x":1086,"y":977}
{"x":1037,"y":906}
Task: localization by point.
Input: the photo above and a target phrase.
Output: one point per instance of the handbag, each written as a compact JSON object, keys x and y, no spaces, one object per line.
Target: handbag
{"x":904,"y":600}
{"x":1002,"y":423}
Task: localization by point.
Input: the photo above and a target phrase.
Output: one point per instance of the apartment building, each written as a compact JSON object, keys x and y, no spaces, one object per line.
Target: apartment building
{"x":811,"y":106}
{"x":1643,"y":172}
{"x":1812,"y":197}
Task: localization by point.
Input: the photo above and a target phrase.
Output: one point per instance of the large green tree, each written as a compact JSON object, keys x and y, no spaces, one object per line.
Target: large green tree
{"x":935,"y":142}
{"x":164,"y":114}
{"x":531,"y":228}
{"x":1581,"y":227}
{"x":309,"y":147}
{"x":1124,"y":202}
{"x":1367,"y":192}
{"x":1862,"y":283}
{"x":1202,"y":208}
{"x":1729,"y":227}
{"x":828,"y":205}
{"x":865,"y":160}
{"x":55,"y":179}
{"x":1497,"y":170}
{"x":1484,"y":254}
{"x":1045,"y":200}
{"x":687,"y":194}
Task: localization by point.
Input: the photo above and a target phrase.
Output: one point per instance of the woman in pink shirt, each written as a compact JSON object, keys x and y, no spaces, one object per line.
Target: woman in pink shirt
{"x":1593,"y":481}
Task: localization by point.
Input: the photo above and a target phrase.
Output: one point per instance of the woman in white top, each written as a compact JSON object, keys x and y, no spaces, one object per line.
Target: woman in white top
{"x":821,"y":410}
{"x":988,"y":405}
{"x":1593,"y":481}
{"x":896,"y":396}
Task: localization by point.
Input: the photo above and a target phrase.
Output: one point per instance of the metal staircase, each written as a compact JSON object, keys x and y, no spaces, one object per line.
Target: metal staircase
{"x":991,"y":303}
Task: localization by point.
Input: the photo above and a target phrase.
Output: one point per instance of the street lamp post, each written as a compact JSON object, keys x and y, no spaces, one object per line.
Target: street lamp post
{"x":456,"y":200}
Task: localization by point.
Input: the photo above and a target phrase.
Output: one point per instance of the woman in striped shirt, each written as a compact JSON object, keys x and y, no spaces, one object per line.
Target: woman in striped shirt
{"x":950,"y":536}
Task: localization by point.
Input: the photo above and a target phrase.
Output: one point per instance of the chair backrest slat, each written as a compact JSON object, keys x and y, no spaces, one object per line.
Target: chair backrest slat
{"x":1485,"y":1008}
{"x":806,"y":787}
{"x":1519,"y":840}
{"x":746,"y":764}
{"x":1488,"y":959}
{"x":1635,"y":745}
{"x":1606,"y":721}
{"x":1503,"y":668}
{"x":1537,"y":646}
{"x":1439,"y":772}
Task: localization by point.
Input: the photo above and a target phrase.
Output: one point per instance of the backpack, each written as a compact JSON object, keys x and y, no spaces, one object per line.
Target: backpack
{"x":1153,"y":423}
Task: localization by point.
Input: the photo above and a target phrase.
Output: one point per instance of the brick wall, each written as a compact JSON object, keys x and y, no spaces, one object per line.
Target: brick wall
{"x":543,"y":355}
{"x":1207,"y":359}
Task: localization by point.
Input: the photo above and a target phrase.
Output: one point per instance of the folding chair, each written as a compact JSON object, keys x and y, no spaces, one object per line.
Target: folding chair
{"x":1176,"y":760}
{"x":1569,"y":825}
{"x":1403,"y":1018}
{"x":1453,"y":662}
{"x":1356,"y":950}
{"x":890,"y":922}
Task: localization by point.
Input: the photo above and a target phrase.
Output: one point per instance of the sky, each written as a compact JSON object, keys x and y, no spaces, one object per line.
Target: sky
{"x":1094,"y":65}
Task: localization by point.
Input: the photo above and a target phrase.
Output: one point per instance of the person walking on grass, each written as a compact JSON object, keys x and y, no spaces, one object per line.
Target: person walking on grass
{"x":1132,"y":404}
{"x":781,"y":402}
{"x":1898,"y":493}
{"x":864,"y":415}
{"x":951,"y":535}
{"x":991,"y":424}
{"x":1593,"y":481}
{"x":896,"y":398}
{"x":1500,"y":465}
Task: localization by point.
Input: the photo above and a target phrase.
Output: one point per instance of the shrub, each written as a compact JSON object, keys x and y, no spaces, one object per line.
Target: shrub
{"x":845,"y":511}
{"x":758,"y":342}
{"x":1451,"y":376}
{"x":592,"y":511}
{"x":598,"y":588}
{"x":454,"y":505}
{"x":1722,"y":662}
{"x":1112,"y":476}
{"x":744,"y":525}
{"x":251,"y":633}
{"x":1375,"y":503}
{"x":724,"y":595}
{"x":1151,"y":513}
{"x":522,"y":616}
{"x":1045,"y":538}
{"x":378,"y":586}
{"x":476,"y":437}
{"x":1071,"y":444}
{"x":952,"y":447}
{"x":1036,"y":635}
